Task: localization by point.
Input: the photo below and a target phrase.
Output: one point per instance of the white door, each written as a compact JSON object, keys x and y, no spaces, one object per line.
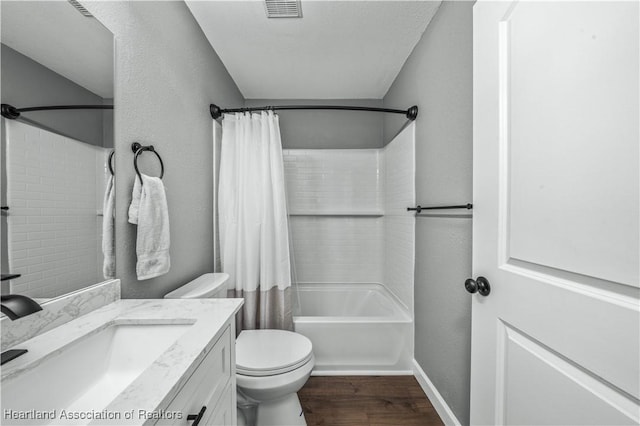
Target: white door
{"x":556,"y":213}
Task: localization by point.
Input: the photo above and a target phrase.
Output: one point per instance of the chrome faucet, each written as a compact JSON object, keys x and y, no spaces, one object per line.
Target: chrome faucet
{"x":17,"y":306}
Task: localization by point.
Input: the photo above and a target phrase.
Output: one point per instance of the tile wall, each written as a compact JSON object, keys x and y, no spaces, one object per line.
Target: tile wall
{"x":337,"y":249}
{"x":399,"y":227}
{"x":348,"y":214}
{"x":55,"y":187}
{"x":335,"y":205}
{"x":334,"y":181}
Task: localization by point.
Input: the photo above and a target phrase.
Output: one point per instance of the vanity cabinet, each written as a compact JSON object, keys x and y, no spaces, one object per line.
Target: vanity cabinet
{"x":226,"y":411}
{"x":212,"y":385}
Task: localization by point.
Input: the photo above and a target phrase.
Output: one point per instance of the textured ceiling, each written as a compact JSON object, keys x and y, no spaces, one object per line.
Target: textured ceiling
{"x":57,"y":36}
{"x":338,"y":50}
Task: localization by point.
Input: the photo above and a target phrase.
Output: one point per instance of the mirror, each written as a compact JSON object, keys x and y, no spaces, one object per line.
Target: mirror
{"x":54,"y":161}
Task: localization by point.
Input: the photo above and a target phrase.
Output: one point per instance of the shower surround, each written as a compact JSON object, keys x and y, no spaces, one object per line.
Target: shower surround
{"x":55,"y":187}
{"x":352,"y":244}
{"x":350,"y":232}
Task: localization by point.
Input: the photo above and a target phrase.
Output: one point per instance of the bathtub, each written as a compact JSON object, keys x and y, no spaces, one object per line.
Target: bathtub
{"x":354,"y":328}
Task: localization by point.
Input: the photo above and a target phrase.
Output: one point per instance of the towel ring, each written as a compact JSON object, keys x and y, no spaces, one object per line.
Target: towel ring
{"x":139,"y":149}
{"x":109,"y":161}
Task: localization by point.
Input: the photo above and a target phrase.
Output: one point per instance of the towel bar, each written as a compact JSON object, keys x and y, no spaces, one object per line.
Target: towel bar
{"x":139,"y":149}
{"x":418,"y":209}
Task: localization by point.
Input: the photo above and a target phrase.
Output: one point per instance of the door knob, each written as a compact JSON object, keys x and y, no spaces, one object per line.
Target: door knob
{"x":480,"y":285}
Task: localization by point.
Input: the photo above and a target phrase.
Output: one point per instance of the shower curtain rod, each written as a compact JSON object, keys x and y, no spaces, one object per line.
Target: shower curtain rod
{"x":11,"y":112}
{"x":216,"y":111}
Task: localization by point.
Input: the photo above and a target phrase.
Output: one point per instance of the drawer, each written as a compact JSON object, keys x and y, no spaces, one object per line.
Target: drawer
{"x":225,"y":412}
{"x":206,"y":385}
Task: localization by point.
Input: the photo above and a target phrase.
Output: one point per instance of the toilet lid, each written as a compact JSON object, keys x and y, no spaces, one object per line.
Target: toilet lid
{"x":270,"y":352}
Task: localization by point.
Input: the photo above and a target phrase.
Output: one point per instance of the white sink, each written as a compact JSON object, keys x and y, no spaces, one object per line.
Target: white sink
{"x":88,"y":373}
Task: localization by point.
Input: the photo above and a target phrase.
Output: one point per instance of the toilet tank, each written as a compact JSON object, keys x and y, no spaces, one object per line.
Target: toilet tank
{"x":212,"y":285}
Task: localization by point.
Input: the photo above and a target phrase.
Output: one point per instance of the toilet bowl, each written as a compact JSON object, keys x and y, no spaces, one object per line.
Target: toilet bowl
{"x":271,"y":365}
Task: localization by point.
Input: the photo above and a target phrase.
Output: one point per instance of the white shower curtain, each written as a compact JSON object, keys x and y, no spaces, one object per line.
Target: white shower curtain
{"x":252,"y":217}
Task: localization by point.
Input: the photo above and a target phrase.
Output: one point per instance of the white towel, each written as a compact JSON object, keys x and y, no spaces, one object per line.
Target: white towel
{"x":135,"y":201}
{"x":108,"y":246}
{"x":149,"y":211}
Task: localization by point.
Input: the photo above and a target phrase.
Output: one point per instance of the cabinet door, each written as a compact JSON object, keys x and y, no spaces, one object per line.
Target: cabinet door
{"x":225,"y":412}
{"x":206,"y":385}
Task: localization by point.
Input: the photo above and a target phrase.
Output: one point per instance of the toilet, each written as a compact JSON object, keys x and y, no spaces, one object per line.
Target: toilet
{"x":271,"y":365}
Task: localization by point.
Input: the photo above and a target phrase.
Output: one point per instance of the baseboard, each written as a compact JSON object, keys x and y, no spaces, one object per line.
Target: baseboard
{"x":434,"y":396}
{"x":362,"y":373}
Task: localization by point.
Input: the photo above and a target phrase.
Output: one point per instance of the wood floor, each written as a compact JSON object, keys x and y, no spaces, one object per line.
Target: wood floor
{"x":366,"y":401}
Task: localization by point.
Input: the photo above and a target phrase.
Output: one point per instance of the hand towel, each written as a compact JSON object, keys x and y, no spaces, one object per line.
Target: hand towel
{"x":108,"y":246}
{"x":135,"y":201}
{"x":149,"y":211}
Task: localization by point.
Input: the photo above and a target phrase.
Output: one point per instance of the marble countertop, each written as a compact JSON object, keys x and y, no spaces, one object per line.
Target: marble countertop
{"x":160,"y":382}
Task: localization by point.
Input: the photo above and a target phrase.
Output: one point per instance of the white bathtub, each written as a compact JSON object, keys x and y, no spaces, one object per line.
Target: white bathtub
{"x":354,"y":328}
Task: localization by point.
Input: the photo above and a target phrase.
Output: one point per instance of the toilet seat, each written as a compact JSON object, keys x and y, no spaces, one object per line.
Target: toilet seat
{"x":271,"y":352}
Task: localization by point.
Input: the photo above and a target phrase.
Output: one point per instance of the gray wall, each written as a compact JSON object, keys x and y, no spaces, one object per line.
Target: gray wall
{"x":438,"y":78}
{"x":320,"y":129}
{"x":107,"y":124}
{"x":167,"y":74}
{"x":26,"y":83}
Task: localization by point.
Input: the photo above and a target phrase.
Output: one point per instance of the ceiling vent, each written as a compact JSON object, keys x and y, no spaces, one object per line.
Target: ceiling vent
{"x":80,"y":8}
{"x":283,"y":8}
